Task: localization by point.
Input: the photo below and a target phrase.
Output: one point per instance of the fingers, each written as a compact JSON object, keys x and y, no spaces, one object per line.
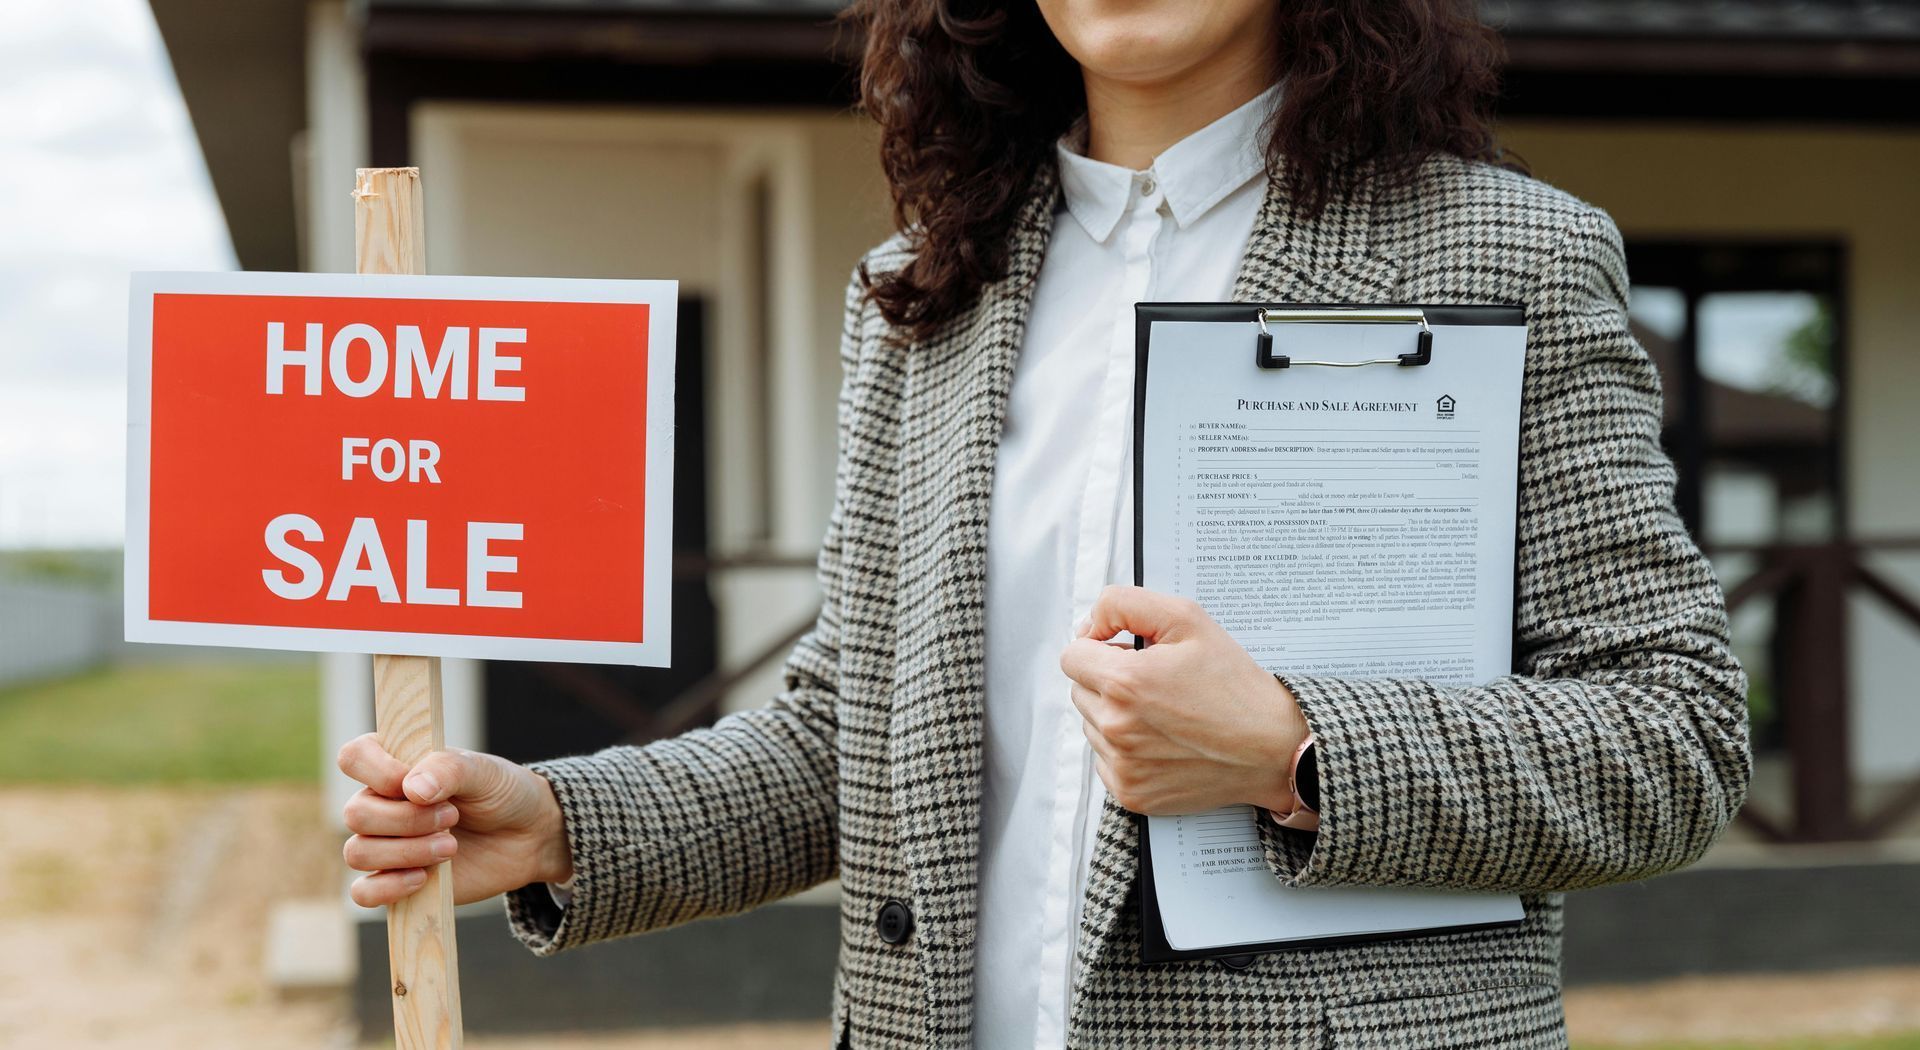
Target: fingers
{"x":1085,"y":701}
{"x":1097,"y":714}
{"x":1112,"y":782}
{"x":383,"y":888}
{"x":1102,"y":748}
{"x":451,"y":774}
{"x":366,"y":761}
{"x":371,"y":814}
{"x":1095,"y":664}
{"x":375,"y":853}
{"x":438,"y":777}
{"x":1145,"y":613}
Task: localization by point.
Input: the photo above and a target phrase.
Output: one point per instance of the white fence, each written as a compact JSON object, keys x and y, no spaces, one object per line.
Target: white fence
{"x":49,"y":629}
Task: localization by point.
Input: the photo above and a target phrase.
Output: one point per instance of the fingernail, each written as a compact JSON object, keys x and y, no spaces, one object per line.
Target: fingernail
{"x":443,"y":847}
{"x":446,"y":816}
{"x":1080,"y":629}
{"x":415,"y":877}
{"x":421,"y":785}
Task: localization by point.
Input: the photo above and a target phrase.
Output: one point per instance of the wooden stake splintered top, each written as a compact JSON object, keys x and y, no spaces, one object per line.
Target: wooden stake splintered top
{"x":389,"y":223}
{"x":389,"y":227}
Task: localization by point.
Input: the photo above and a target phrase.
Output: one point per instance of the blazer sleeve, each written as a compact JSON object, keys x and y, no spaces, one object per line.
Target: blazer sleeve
{"x":1619,"y":748}
{"x":714,"y":821}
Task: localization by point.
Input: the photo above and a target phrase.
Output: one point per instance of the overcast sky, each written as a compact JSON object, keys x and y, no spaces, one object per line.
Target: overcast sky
{"x":99,"y":175}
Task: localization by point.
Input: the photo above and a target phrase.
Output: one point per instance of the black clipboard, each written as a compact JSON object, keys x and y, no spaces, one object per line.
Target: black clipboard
{"x":1270,"y":353}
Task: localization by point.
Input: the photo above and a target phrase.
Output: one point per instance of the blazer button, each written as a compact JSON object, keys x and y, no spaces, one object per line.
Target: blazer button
{"x":894,"y":922}
{"x":1235,"y":962}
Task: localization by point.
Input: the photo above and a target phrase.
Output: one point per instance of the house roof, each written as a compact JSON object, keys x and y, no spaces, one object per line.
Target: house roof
{"x":242,"y":70}
{"x":241,"y":63}
{"x":1795,"y":19}
{"x":1804,"y":19}
{"x":824,"y":8}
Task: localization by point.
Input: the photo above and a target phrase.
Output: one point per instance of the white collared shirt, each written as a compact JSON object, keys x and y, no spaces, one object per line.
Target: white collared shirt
{"x":1061,"y":528}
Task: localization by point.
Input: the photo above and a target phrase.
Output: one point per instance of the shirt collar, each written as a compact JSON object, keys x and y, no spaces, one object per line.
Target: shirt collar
{"x":1195,"y":173}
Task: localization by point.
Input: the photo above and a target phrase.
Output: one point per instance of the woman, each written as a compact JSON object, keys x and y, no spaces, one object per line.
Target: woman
{"x":962,"y":758}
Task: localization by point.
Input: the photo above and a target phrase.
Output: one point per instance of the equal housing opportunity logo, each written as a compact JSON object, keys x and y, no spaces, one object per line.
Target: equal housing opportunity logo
{"x":1443,"y":408}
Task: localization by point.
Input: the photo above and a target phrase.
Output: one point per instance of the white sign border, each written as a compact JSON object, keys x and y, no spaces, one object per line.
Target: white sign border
{"x":657,"y":560}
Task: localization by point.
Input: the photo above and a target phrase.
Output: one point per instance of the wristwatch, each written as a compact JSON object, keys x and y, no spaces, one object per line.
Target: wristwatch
{"x":1303,"y":785}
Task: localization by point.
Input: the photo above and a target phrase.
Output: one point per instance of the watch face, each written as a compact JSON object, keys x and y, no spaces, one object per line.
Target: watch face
{"x":1306,"y":777}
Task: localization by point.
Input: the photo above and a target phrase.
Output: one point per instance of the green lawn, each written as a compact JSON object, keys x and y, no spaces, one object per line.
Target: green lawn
{"x":175,"y":724}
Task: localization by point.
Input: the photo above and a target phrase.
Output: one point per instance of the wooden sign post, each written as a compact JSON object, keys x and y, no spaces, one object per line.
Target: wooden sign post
{"x":387,"y":462}
{"x":389,"y":236}
{"x":422,"y":962}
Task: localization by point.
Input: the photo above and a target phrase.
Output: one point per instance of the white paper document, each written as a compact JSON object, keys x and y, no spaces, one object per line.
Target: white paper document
{"x":1355,"y":522}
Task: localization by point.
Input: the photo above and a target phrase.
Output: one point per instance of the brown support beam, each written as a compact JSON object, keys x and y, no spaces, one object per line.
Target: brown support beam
{"x":1813,"y":694}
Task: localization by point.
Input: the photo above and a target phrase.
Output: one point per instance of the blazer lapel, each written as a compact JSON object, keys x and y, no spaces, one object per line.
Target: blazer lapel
{"x":1326,"y":258}
{"x":954,"y":400}
{"x":1290,"y":258}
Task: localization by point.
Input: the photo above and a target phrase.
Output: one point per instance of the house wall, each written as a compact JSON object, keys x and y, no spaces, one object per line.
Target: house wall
{"x":625,"y":192}
{"x":1857,"y":186}
{"x":622,"y":192}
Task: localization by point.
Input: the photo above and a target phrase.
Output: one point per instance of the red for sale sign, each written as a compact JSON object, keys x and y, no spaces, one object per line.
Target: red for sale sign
{"x":438,"y":466}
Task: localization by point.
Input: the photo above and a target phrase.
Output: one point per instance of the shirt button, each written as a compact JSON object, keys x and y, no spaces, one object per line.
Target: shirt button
{"x":894,"y":923}
{"x":1147,"y":186}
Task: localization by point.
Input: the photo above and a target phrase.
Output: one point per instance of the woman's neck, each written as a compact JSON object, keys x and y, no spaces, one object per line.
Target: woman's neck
{"x":1131,"y":122}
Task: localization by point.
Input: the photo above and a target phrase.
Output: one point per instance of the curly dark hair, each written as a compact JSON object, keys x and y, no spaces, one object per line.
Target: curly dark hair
{"x":971,"y":95}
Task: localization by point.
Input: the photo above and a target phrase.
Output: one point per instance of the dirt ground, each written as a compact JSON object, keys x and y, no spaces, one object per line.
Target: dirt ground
{"x":115,"y":936}
{"x":739,"y":1037}
{"x":1749,"y":1009}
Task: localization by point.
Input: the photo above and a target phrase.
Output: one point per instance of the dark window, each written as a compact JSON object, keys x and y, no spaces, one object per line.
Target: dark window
{"x":1748,"y":340}
{"x":540,"y":710}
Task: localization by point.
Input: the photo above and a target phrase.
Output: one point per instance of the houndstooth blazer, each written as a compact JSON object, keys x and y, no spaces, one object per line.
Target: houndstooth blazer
{"x":1616,"y":751}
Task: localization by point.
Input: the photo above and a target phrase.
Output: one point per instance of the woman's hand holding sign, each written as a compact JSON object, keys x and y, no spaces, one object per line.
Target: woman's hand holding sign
{"x":501,"y":819}
{"x":1190,"y":722}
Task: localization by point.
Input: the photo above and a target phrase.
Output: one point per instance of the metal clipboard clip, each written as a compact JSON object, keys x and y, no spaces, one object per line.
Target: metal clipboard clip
{"x":1266,"y":358}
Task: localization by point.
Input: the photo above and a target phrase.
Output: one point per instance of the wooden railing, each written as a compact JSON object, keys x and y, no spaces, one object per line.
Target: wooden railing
{"x":631,"y":711}
{"x":699,"y":703}
{"x":1811,"y":585}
